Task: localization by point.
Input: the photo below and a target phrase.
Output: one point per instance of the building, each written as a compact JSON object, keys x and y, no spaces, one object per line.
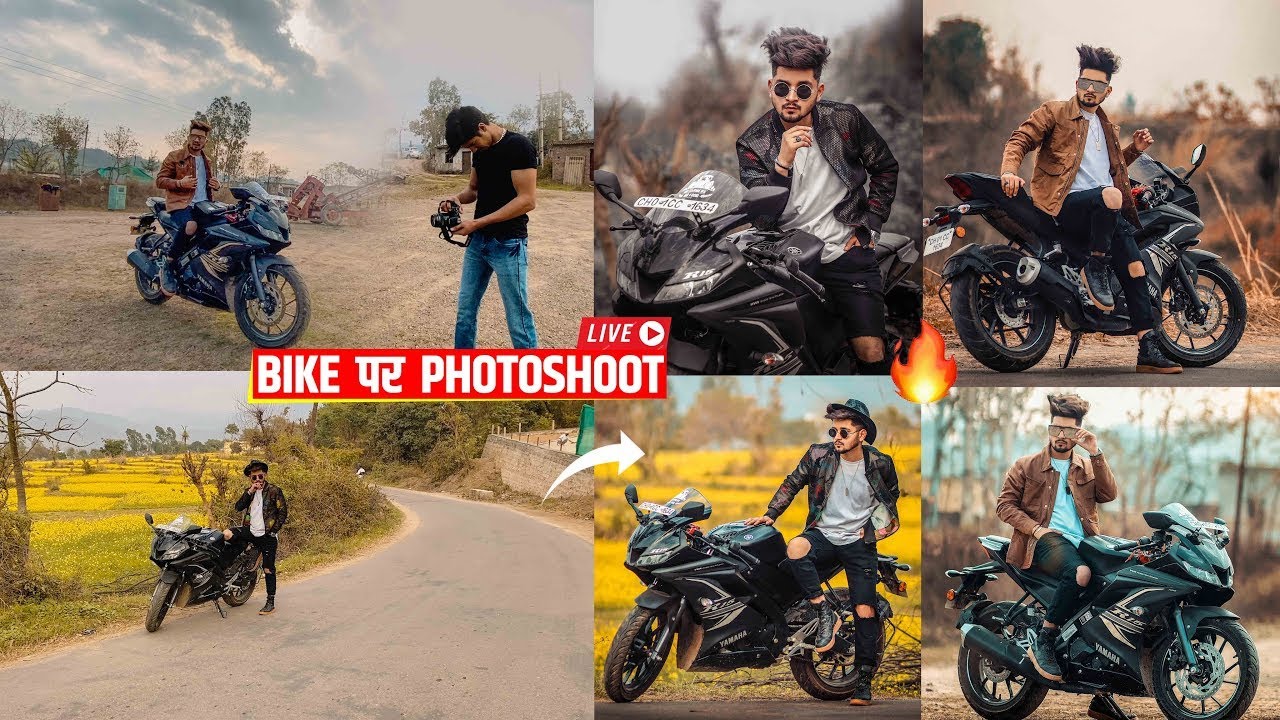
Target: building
{"x":461,"y":162}
{"x":571,"y":161}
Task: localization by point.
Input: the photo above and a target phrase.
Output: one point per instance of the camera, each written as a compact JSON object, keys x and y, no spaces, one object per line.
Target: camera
{"x":447,"y":216}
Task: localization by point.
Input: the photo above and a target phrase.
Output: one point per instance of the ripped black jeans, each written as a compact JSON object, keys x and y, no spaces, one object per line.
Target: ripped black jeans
{"x":859,"y":561}
{"x":1085,"y":214}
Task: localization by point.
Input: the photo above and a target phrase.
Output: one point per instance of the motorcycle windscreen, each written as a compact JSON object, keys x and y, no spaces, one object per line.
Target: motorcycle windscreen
{"x":674,"y":243}
{"x":1145,"y":170}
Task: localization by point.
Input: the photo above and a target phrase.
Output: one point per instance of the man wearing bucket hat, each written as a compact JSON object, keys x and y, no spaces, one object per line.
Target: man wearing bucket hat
{"x":265,"y":512}
{"x":853,"y":503}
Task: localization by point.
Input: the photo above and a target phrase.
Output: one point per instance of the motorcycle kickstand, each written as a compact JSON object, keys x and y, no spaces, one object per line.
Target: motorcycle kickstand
{"x":1113,"y":709}
{"x":221,"y":611}
{"x":1072,"y":347}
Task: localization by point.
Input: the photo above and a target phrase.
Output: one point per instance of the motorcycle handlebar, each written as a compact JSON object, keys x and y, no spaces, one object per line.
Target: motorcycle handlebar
{"x":737,"y":548}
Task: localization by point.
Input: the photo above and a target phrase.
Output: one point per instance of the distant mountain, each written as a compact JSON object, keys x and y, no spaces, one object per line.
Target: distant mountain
{"x":90,"y":159}
{"x":105,"y":426}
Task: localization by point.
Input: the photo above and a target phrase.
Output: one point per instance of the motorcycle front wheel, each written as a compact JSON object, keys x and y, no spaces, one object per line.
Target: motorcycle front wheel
{"x":993,"y":691}
{"x":159,"y":606}
{"x":1006,"y":330}
{"x":281,"y":319}
{"x":1200,"y":338}
{"x":1222,"y":684}
{"x":635,"y":658}
{"x":830,"y":675}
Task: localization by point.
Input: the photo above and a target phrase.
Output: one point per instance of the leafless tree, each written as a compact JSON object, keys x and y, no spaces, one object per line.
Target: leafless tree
{"x":23,"y":430}
{"x":14,"y":123}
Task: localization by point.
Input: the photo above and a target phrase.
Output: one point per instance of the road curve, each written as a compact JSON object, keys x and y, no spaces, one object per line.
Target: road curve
{"x":478,"y":612}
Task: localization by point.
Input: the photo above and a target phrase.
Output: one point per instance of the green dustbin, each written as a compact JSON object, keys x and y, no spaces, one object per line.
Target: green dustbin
{"x":116,"y":197}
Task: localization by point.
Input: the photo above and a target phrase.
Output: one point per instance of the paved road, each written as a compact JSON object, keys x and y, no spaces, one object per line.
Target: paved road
{"x":478,"y":612}
{"x":752,"y":709}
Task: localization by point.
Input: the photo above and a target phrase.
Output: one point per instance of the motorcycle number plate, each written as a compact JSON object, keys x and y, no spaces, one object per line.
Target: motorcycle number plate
{"x":939,"y":241}
{"x":677,"y":203}
{"x":655,"y":507}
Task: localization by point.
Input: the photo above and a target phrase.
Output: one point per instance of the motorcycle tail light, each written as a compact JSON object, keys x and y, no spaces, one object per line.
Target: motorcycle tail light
{"x":951,"y":594}
{"x":961,"y":188}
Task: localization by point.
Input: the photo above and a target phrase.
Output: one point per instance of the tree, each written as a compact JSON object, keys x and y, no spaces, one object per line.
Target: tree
{"x":1268,"y":89}
{"x":122,"y":144}
{"x":560,"y":112}
{"x":113,"y":448}
{"x":236,"y":447}
{"x":442,"y":96}
{"x":231,"y":430}
{"x":276,"y":172}
{"x":152,"y":163}
{"x":66,"y":135}
{"x":256,"y":165}
{"x":521,"y":119}
{"x":177,"y":138}
{"x":956,"y":62}
{"x":14,"y":122}
{"x":193,"y":470}
{"x":34,"y":159}
{"x":231,"y":123}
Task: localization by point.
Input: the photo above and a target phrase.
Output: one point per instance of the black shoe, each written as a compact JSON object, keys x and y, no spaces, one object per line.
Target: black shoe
{"x":1095,"y":277}
{"x":1152,"y":360}
{"x":1104,"y":707}
{"x":1043,"y":656}
{"x":269,"y":608}
{"x":862,"y":686}
{"x":828,"y":623}
{"x":168,"y":278}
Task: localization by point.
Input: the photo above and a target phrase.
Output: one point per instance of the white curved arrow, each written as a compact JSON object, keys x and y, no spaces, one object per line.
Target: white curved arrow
{"x":625,"y":453}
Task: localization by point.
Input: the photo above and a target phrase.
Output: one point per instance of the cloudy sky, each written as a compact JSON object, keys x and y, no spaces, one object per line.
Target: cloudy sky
{"x":325,"y":78}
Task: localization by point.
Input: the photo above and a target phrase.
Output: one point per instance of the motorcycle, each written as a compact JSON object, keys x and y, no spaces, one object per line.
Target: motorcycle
{"x":198,"y":566}
{"x":1006,"y":299}
{"x":1154,"y":627}
{"x":743,"y":300}
{"x":727,"y":600}
{"x":233,"y":264}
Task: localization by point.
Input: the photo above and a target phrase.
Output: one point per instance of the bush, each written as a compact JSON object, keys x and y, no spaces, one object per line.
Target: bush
{"x":53,"y":485}
{"x":87,"y":467}
{"x":21,"y":580}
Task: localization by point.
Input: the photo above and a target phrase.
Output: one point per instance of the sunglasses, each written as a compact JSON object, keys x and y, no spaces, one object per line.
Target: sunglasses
{"x":1095,"y":85}
{"x":782,"y":88}
{"x":1063,"y":431}
{"x":258,"y":476}
{"x":842,"y":432}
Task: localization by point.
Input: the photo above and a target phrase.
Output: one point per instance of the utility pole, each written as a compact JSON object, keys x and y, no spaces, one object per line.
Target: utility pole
{"x":560,"y":115}
{"x":84,"y":150}
{"x":1240,"y":473}
{"x":541,"y":136}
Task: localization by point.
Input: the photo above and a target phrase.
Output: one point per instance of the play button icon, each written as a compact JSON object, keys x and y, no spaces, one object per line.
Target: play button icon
{"x":652,"y":334}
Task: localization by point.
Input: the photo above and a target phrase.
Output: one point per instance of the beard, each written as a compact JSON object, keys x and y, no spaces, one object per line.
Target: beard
{"x":793,"y":114}
{"x":1095,"y":102}
{"x":1061,"y":445}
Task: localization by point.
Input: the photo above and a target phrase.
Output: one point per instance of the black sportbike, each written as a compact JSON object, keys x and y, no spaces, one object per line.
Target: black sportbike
{"x":727,"y":599}
{"x":743,"y":301}
{"x":197,"y":566}
{"x":1006,"y":299}
{"x":1153,"y":627}
{"x":233,"y":264}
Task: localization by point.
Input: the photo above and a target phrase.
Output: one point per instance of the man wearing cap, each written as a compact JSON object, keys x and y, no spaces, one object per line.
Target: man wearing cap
{"x":265,"y":512}
{"x":853,"y":503}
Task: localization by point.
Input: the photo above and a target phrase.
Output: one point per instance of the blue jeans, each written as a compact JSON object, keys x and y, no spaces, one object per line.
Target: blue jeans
{"x":509,"y":259}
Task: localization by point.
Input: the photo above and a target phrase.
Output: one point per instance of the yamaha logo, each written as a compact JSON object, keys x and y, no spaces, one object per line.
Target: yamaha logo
{"x":748,"y":536}
{"x":793,"y":250}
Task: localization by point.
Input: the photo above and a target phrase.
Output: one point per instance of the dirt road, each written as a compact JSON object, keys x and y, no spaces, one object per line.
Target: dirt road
{"x":892,"y":709}
{"x":479,"y":612}
{"x":70,"y":300}
{"x":943,"y":700}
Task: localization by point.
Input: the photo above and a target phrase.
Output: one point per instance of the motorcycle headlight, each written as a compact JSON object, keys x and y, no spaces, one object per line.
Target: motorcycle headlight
{"x":686,"y":290}
{"x":272,"y":234}
{"x":661,"y":551}
{"x":174,"y":551}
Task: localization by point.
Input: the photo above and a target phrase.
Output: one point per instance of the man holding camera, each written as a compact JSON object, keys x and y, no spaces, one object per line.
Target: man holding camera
{"x":504,"y":178}
{"x":265,"y":512}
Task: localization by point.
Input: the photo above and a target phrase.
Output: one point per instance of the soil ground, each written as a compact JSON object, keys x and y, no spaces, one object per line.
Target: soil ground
{"x":71,"y":302}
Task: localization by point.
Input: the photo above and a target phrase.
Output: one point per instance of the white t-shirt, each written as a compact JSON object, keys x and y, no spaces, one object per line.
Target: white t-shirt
{"x":1095,"y":160}
{"x":202,"y":187}
{"x":816,"y":190}
{"x":850,"y":504}
{"x":257,"y":525}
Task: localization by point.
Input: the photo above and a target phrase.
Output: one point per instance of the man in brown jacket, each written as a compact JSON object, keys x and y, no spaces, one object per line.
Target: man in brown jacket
{"x":1081,"y":178}
{"x":187,"y":177}
{"x":1051,"y":500}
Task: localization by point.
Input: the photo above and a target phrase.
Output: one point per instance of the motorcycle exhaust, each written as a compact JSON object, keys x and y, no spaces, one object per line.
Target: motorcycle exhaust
{"x":976,"y":637}
{"x":1047,"y":282}
{"x":143,"y":264}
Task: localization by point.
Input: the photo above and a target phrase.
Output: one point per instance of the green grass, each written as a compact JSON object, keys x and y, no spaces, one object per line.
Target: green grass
{"x":549,"y":184}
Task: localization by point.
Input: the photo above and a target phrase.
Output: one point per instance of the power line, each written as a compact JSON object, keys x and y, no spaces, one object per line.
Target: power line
{"x":95,"y":77}
{"x":9,"y":62}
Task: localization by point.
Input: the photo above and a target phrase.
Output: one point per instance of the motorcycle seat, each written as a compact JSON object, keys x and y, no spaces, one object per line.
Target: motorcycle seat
{"x":891,"y":243}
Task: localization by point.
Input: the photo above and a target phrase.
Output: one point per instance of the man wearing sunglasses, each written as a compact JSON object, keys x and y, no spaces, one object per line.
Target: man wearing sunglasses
{"x":265,"y":512}
{"x":842,"y":178}
{"x":853,"y":503}
{"x":1081,"y":178}
{"x":1051,"y":499}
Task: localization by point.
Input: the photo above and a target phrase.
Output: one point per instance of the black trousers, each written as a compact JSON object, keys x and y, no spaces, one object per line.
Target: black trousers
{"x":1055,"y":555}
{"x":1084,"y":214}
{"x":855,"y":288}
{"x":859,"y":561}
{"x":267,"y":545}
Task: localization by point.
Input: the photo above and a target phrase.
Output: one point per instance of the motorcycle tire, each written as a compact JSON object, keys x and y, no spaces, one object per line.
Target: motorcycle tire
{"x":1216,"y":351}
{"x":1157,"y":671}
{"x":159,"y":606}
{"x":646,"y":625}
{"x":236,"y":599}
{"x":814,"y":682}
{"x":149,"y":289}
{"x":969,"y":667}
{"x":968,"y":305}
{"x":244,"y":295}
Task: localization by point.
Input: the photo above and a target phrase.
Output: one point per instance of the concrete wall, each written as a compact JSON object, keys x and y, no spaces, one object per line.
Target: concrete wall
{"x":559,"y":154}
{"x":532,"y":469}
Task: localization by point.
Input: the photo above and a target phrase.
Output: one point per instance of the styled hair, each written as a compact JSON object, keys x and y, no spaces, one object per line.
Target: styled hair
{"x":843,"y":413}
{"x":461,"y":125}
{"x":1098,"y":58}
{"x":1068,"y":405}
{"x":198,"y":124}
{"x":793,"y":47}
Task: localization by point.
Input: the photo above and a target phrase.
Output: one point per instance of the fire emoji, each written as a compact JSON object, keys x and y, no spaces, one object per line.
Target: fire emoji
{"x":929,"y":373}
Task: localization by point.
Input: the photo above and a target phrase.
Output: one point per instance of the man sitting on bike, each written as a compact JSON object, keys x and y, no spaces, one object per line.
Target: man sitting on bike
{"x":265,"y":512}
{"x":187,"y":177}
{"x":848,"y":481}
{"x":1051,"y":499}
{"x":1081,"y":179}
{"x":826,"y":152}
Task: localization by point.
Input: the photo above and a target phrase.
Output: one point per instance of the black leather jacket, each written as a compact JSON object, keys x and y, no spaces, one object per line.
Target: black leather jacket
{"x":849,"y":144}
{"x":817,"y":470}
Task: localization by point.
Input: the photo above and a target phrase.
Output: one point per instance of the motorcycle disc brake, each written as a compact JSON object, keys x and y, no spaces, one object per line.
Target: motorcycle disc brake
{"x":1212,"y":315}
{"x":1202,"y":689}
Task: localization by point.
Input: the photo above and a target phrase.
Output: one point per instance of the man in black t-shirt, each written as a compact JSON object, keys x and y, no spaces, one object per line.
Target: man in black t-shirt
{"x":504,"y":177}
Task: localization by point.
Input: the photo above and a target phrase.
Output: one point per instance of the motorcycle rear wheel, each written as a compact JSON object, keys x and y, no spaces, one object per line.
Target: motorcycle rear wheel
{"x":236,"y":599}
{"x":1235,"y":668}
{"x":159,"y":606}
{"x":981,"y":311}
{"x":628,"y":668}
{"x":284,"y":283}
{"x":149,"y":289}
{"x":976,"y":672}
{"x":819,"y":684}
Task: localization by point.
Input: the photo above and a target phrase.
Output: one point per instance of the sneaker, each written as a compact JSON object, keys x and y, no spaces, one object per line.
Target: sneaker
{"x":1095,"y":276}
{"x":269,"y":608}
{"x":1104,"y":707}
{"x":168,"y":278}
{"x":862,"y":686}
{"x":828,"y":623}
{"x":1043,"y":655}
{"x":1152,"y":360}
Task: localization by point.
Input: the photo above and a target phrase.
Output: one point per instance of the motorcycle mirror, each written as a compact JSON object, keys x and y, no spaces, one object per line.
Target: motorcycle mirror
{"x":1197,"y":157}
{"x":630,"y":494}
{"x":148,"y":518}
{"x":766,"y":200}
{"x":695,"y":510}
{"x":607,"y":183}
